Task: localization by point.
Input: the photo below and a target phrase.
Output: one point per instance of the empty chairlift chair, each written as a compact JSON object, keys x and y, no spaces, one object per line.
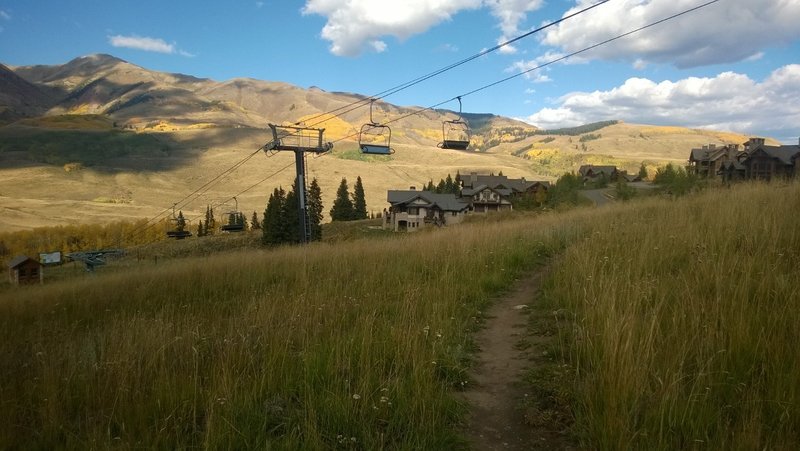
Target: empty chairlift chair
{"x":455,"y":134}
{"x":374,"y":138}
{"x":235,"y":220}
{"x":178,"y":225}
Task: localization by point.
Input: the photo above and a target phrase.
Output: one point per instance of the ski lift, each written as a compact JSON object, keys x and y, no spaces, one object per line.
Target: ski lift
{"x":178,"y":229}
{"x":235,"y":222}
{"x":455,"y":134}
{"x":374,"y":138}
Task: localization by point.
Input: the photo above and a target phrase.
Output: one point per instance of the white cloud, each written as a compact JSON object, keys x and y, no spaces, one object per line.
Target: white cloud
{"x":728,"y":31}
{"x":5,"y":15}
{"x":141,"y":43}
{"x":510,"y":14}
{"x":729,"y":101}
{"x":356,"y":25}
{"x":533,"y":69}
{"x":157,"y":45}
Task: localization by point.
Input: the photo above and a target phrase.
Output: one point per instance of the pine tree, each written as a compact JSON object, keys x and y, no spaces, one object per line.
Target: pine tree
{"x":359,"y":201}
{"x":200,"y":230}
{"x":254,"y":223}
{"x":441,"y":187}
{"x":289,"y":216}
{"x":315,"y":208}
{"x":643,"y":172}
{"x":450,"y":185}
{"x":180,"y":222}
{"x":430,"y":187}
{"x":211,"y":223}
{"x":342,"y":209}
{"x":272,"y":227}
{"x":458,"y":181}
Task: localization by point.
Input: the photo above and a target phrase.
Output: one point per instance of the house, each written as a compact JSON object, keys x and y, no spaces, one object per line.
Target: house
{"x":764,"y":162}
{"x":486,"y":193}
{"x":710,"y":160}
{"x":411,"y":210}
{"x":483,"y":198}
{"x":23,"y":270}
{"x":590,"y":173}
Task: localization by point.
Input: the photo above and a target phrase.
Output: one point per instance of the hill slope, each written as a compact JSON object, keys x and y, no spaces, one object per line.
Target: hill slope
{"x":104,"y":139}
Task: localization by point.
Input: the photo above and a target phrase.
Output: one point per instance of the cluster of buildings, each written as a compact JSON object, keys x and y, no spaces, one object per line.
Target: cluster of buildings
{"x":755,"y":160}
{"x":412,"y":209}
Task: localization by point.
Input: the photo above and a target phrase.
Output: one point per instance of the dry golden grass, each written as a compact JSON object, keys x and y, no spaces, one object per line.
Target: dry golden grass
{"x":681,"y":322}
{"x":356,"y":345}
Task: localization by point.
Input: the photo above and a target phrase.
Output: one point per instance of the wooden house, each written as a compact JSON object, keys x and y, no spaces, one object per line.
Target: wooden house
{"x":483,"y":198}
{"x":764,"y":162}
{"x":412,"y":210}
{"x":711,"y":161}
{"x":590,"y":173}
{"x":23,"y":270}
{"x":486,"y":193}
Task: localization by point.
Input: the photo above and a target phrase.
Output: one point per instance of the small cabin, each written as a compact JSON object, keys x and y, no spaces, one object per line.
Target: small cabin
{"x":23,"y":270}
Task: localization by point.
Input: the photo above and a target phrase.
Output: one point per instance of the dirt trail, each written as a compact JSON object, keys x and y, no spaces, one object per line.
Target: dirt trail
{"x":497,"y":420}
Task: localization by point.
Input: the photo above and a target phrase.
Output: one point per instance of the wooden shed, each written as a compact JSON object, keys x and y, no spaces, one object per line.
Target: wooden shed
{"x":24,"y":270}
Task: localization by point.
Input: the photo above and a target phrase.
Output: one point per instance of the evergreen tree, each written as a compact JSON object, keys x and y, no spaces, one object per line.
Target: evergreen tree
{"x":441,"y":187}
{"x":254,"y":224}
{"x":211,"y":223}
{"x":643,"y":172}
{"x":180,"y":222}
{"x":458,"y":181}
{"x":289,"y":216}
{"x":200,"y":230}
{"x":359,"y":201}
{"x":451,"y":186}
{"x":272,"y":226}
{"x":315,"y":209}
{"x":342,"y":209}
{"x":429,"y":186}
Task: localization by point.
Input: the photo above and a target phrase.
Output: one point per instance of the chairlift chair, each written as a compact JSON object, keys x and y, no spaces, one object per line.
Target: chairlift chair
{"x":178,"y":231}
{"x":455,"y":133}
{"x":235,"y":221}
{"x":374,"y":138}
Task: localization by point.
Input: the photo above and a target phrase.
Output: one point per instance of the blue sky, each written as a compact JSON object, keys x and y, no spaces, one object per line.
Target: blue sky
{"x":734,"y":65}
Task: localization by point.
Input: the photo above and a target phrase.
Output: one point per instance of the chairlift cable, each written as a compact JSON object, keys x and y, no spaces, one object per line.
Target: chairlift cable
{"x":360,"y":103}
{"x":401,"y":87}
{"x":548,"y":63}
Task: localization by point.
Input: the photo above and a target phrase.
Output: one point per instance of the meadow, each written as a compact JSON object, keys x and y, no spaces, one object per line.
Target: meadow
{"x":674,"y":319}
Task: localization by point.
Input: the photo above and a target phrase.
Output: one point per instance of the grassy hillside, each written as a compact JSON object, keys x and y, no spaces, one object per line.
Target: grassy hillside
{"x":679,"y":322}
{"x":676,"y":318}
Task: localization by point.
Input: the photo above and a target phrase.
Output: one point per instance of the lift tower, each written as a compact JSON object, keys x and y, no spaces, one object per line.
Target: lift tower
{"x":300,"y":140}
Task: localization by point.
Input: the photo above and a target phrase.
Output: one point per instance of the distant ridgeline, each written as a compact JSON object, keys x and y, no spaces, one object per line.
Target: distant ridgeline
{"x":579,"y":130}
{"x":481,"y":125}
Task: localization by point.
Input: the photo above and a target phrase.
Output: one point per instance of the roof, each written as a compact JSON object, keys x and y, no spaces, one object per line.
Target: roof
{"x":474,"y":180}
{"x":19,"y":260}
{"x":698,"y":155}
{"x":607,"y":170}
{"x":784,"y":154}
{"x":445,"y":202}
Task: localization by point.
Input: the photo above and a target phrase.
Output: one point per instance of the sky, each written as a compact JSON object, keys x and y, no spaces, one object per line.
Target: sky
{"x":733,"y":65}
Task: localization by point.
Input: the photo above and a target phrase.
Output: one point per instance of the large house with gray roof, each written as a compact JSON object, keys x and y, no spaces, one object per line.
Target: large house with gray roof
{"x":412,"y":210}
{"x":757,"y":161}
{"x":486,"y":193}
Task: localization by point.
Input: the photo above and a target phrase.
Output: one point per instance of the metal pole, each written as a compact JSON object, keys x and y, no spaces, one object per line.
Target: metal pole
{"x":299,"y":160}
